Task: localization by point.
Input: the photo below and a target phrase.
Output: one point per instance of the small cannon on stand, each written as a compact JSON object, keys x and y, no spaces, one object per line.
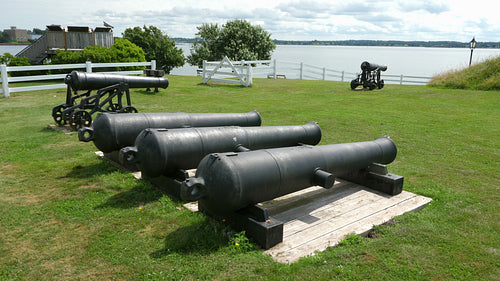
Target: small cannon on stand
{"x":153,"y":73}
{"x":369,"y":77}
{"x":78,"y":108}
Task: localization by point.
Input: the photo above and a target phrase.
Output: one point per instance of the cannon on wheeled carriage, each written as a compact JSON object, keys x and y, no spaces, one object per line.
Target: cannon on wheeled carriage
{"x":369,"y":77}
{"x":111,"y":88}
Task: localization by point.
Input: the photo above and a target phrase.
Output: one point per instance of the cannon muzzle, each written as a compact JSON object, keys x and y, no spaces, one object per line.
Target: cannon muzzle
{"x":366,"y":66}
{"x":226,"y":182}
{"x":163,"y":152}
{"x":78,"y":80}
{"x":111,"y":131}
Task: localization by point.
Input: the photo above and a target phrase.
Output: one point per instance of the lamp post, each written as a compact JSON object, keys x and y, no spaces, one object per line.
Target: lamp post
{"x":472,"y":45}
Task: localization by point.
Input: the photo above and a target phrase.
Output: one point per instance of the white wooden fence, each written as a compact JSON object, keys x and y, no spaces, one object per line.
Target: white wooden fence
{"x":238,"y":72}
{"x":235,"y":72}
{"x":311,"y":72}
{"x":283,"y":69}
{"x":88,"y":66}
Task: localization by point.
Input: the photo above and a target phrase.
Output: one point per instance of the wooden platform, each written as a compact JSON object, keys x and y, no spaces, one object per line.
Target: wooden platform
{"x":317,"y":218}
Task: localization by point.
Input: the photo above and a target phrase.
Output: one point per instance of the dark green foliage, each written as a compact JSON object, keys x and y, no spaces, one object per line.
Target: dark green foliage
{"x":125,"y":51}
{"x":121,"y":51}
{"x":39,"y":31}
{"x":482,"y":76}
{"x":237,"y":39}
{"x":156,"y":46}
{"x":4,"y":38}
{"x":11,"y":60}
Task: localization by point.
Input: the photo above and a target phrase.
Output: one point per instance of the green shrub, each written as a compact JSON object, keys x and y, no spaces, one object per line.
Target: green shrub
{"x":121,"y":51}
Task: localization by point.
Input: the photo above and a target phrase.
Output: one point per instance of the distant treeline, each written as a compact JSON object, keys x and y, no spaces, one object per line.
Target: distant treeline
{"x":387,"y":43}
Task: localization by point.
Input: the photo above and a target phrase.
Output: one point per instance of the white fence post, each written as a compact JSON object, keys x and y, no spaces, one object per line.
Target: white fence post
{"x":249,"y":75}
{"x":153,"y":64}
{"x":401,"y":80}
{"x":5,"y":80}
{"x":342,"y":78}
{"x":324,"y":73}
{"x":275,"y":69}
{"x":88,"y":66}
{"x":204,"y":72}
{"x":301,"y":70}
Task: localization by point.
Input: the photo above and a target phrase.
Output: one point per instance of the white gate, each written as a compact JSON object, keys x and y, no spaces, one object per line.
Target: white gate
{"x":226,"y":71}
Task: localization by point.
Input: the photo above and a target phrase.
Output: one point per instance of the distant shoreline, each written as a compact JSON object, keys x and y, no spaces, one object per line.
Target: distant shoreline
{"x":15,"y":44}
{"x":381,"y":43}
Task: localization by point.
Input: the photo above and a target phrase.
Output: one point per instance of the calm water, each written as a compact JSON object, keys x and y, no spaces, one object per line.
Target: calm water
{"x":12,"y":49}
{"x":417,"y":61}
{"x":399,"y":60}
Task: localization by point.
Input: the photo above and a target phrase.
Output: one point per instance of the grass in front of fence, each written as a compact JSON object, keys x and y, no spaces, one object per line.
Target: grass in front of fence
{"x":67,"y":214}
{"x":481,"y":76}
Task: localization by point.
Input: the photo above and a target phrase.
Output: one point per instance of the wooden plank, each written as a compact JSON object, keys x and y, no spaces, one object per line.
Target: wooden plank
{"x":335,"y":218}
{"x":322,"y":223}
{"x":289,"y":254}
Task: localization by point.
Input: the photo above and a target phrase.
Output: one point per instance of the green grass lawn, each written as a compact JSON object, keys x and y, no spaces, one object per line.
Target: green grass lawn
{"x":66,"y":214}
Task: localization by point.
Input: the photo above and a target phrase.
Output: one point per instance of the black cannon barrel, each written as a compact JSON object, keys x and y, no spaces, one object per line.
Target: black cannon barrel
{"x":78,"y":80}
{"x":112,"y":131}
{"x":226,"y":182}
{"x":366,"y":66}
{"x":164,"y":151}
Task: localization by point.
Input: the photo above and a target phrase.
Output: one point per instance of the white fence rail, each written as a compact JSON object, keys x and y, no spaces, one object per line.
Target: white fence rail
{"x":88,"y":66}
{"x":305,"y":71}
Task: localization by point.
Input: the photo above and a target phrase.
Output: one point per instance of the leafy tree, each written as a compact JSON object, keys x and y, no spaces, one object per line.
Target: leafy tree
{"x":237,"y":39}
{"x":4,"y":38}
{"x":39,"y":31}
{"x":156,"y":46}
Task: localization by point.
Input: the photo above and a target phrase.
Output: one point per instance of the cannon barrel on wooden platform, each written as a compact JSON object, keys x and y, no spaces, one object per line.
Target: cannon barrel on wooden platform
{"x":160,"y":152}
{"x":227,"y":182}
{"x":111,"y":132}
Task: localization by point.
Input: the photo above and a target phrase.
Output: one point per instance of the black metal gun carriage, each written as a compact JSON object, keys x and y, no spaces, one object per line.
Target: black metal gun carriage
{"x":78,"y":108}
{"x":369,"y":77}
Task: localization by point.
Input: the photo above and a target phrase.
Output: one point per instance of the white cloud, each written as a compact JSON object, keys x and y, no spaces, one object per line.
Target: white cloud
{"x":292,"y":20}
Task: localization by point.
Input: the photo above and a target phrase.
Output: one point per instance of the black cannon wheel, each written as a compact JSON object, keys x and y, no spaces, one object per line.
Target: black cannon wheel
{"x":128,"y":109}
{"x":354,"y":84}
{"x":57,"y":114}
{"x":381,"y":84}
{"x":79,"y":119}
{"x":372,"y":85}
{"x":114,"y":107}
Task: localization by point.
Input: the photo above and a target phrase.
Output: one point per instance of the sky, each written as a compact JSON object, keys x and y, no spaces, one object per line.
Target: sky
{"x":406,"y":20}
